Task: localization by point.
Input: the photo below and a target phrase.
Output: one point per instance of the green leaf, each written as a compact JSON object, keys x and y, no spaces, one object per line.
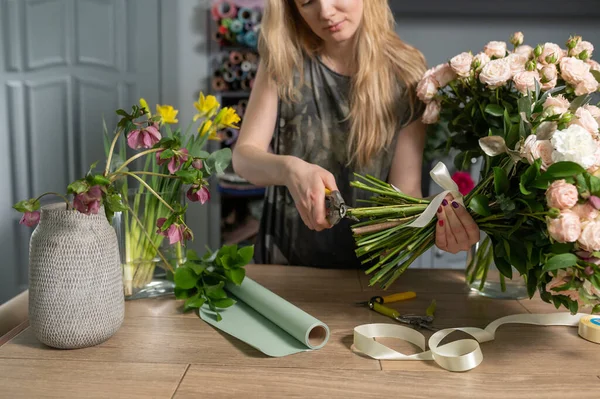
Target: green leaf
{"x":122,"y":112}
{"x":561,"y":261}
{"x":503,"y":266}
{"x":562,"y":169}
{"x":245,"y":254}
{"x":560,"y":248}
{"x":197,"y":267}
{"x":480,"y":205}
{"x":185,"y":277}
{"x":181,"y":293}
{"x":29,"y":205}
{"x":218,"y":161}
{"x":224,"y":303}
{"x":524,"y":106}
{"x":573,"y":305}
{"x":529,"y":176}
{"x":596,"y":309}
{"x":500,"y":181}
{"x":494,"y":110}
{"x":114,"y":203}
{"x":194,"y":302}
{"x":187,"y":176}
{"x":216,"y":291}
{"x":198,"y":153}
{"x":191,"y":255}
{"x":99,"y":180}
{"x":532,"y":282}
{"x":431,"y":308}
{"x":236,"y":275}
{"x":78,"y":187}
{"x":594,"y":185}
{"x":166,"y":154}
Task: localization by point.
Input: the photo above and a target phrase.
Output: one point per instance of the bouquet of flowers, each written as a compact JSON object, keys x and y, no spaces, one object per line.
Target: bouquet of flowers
{"x":151,"y":209}
{"x":527,"y":112}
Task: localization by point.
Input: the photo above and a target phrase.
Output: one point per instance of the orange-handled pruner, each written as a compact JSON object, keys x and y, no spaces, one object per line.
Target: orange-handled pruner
{"x":401,"y":296}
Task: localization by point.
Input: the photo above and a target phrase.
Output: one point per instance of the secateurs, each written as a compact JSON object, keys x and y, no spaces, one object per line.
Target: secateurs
{"x":336,"y":207}
{"x":416,"y":321}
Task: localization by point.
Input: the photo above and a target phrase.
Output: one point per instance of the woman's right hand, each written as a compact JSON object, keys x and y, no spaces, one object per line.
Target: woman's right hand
{"x":307,"y":183}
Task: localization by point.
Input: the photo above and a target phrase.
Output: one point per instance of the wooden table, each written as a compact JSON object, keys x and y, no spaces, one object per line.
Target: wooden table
{"x":161,"y":353}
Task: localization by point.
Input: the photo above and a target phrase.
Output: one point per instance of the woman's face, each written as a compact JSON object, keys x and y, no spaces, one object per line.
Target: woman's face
{"x":333,"y":21}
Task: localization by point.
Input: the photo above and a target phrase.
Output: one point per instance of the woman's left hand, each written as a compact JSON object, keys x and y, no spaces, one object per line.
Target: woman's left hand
{"x":456,"y":230}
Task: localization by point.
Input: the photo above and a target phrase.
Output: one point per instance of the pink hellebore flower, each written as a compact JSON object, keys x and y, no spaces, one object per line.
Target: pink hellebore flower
{"x":174,"y":232}
{"x":88,"y":202}
{"x":196,"y":193}
{"x":197,"y":163}
{"x":144,"y":138}
{"x":175,"y":161}
{"x":30,"y":219}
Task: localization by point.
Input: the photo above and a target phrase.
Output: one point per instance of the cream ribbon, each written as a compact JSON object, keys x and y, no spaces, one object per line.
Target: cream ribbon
{"x":441,"y":176}
{"x":461,"y":355}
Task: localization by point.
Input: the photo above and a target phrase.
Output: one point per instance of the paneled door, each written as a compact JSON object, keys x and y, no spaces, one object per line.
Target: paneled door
{"x":64,"y":66}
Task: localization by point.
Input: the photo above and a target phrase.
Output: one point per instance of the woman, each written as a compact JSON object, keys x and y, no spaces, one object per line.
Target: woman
{"x":334,"y":94}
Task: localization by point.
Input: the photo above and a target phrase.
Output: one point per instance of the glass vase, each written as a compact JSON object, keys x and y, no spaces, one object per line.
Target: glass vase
{"x":483,"y":277}
{"x":147,"y":258}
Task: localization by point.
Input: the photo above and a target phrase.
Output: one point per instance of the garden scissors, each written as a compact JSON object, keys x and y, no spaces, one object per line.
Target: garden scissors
{"x":414,"y":321}
{"x":401,"y":296}
{"x":336,"y":207}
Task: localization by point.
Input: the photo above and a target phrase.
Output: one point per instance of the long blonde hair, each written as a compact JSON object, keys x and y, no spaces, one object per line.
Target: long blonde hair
{"x":382,"y":60}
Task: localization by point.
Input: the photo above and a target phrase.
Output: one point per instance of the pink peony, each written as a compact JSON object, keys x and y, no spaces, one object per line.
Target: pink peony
{"x":495,"y":49}
{"x":432,"y":112}
{"x":525,"y":81}
{"x":495,"y":73}
{"x":551,"y":54}
{"x":565,"y":228}
{"x":461,"y":64}
{"x":88,"y":202}
{"x":144,"y":138}
{"x":586,"y":211}
{"x":30,"y":219}
{"x":175,"y":162}
{"x":556,"y":105}
{"x":464,"y":182}
{"x":573,"y":70}
{"x":427,"y":89}
{"x":589,"y":240}
{"x":561,"y":195}
{"x":197,"y":193}
{"x":444,"y":74}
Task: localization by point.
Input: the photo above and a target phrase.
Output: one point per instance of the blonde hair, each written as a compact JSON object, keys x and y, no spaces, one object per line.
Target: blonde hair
{"x":382,"y":60}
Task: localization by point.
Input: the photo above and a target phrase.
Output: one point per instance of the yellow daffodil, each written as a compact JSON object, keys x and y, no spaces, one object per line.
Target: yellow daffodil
{"x":167,"y":113}
{"x":227,"y":117}
{"x":206,"y":106}
{"x":144,"y":106}
{"x":207,"y":128}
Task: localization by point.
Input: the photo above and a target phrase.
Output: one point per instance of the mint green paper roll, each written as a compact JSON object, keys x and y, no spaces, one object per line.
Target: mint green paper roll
{"x":268,"y":322}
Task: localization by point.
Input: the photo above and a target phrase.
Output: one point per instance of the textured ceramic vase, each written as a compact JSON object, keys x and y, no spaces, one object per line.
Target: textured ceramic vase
{"x":75,"y":289}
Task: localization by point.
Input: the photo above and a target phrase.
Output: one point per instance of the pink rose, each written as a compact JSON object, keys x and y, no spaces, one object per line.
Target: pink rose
{"x":480,"y":60}
{"x":427,"y":89}
{"x":561,"y":195}
{"x":549,"y":76}
{"x":525,"y":50}
{"x":594,"y":66}
{"x":464,"y":181}
{"x":551,"y":54}
{"x":594,"y":201}
{"x":432,"y":112}
{"x":495,"y":49}
{"x":589,"y":240}
{"x":495,"y":73}
{"x":534,"y":149}
{"x":592,"y":109}
{"x":573,"y":70}
{"x":565,"y":228}
{"x":584,"y":118}
{"x":581,"y":47}
{"x":556,"y":105}
{"x":586,"y":211}
{"x":444,"y":74}
{"x":562,"y":277}
{"x":525,"y":81}
{"x":516,"y":39}
{"x":590,"y":289}
{"x":527,"y":150}
{"x":30,"y":219}
{"x":588,"y":85}
{"x":461,"y":64}
{"x":517,"y":63}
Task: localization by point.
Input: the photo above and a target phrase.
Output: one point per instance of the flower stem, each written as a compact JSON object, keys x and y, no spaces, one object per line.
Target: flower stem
{"x":149,"y":189}
{"x":110,"y":152}
{"x":58,"y":195}
{"x":136,"y":156}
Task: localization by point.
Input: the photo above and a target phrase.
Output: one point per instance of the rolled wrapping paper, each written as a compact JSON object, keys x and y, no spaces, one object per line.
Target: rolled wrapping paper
{"x":228,"y":76}
{"x":268,"y":322}
{"x":589,"y":328}
{"x":256,"y":16}
{"x":244,"y":14}
{"x":461,"y":355}
{"x":246,"y":66}
{"x":218,"y":84}
{"x":235,"y":57}
{"x":236,"y":26}
{"x":251,"y":39}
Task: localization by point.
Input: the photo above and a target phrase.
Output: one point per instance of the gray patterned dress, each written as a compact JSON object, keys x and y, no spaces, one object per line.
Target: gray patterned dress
{"x":316,"y":131}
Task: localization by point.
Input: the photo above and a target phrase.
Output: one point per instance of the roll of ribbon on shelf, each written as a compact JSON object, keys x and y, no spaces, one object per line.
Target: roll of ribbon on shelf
{"x":226,"y":22}
{"x":245,"y":14}
{"x":228,"y":76}
{"x":251,"y":39}
{"x":223,"y":9}
{"x":245,"y":84}
{"x":218,"y":84}
{"x":236,"y":26}
{"x":235,"y":57}
{"x":229,"y":136}
{"x":246,"y":66}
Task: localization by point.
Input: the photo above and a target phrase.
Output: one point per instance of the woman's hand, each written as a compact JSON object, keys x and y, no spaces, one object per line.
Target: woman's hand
{"x":456,"y":230}
{"x":307,"y":183}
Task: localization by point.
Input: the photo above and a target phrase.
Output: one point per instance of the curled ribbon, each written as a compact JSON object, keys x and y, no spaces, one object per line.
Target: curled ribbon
{"x":461,"y":355}
{"x":441,"y":176}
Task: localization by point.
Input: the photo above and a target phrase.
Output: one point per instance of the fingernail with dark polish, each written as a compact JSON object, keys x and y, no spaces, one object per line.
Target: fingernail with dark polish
{"x":439,"y":209}
{"x":455,"y":204}
{"x":442,"y":223}
{"x":444,"y":202}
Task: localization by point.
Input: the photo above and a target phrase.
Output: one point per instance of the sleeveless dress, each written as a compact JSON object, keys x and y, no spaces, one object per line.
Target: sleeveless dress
{"x":316,"y":130}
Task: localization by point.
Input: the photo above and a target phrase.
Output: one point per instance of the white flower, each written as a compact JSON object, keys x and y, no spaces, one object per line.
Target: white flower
{"x":574,"y":144}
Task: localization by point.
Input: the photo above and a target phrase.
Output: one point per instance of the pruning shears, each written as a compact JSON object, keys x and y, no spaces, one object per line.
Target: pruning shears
{"x":401,"y":296}
{"x":335,"y":207}
{"x":415,"y":321}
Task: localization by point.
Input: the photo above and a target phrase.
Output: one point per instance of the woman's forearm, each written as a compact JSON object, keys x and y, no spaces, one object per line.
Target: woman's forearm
{"x":262,"y":168}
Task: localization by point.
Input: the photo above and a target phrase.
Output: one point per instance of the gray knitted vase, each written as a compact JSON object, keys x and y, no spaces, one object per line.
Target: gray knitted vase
{"x":75,"y":283}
